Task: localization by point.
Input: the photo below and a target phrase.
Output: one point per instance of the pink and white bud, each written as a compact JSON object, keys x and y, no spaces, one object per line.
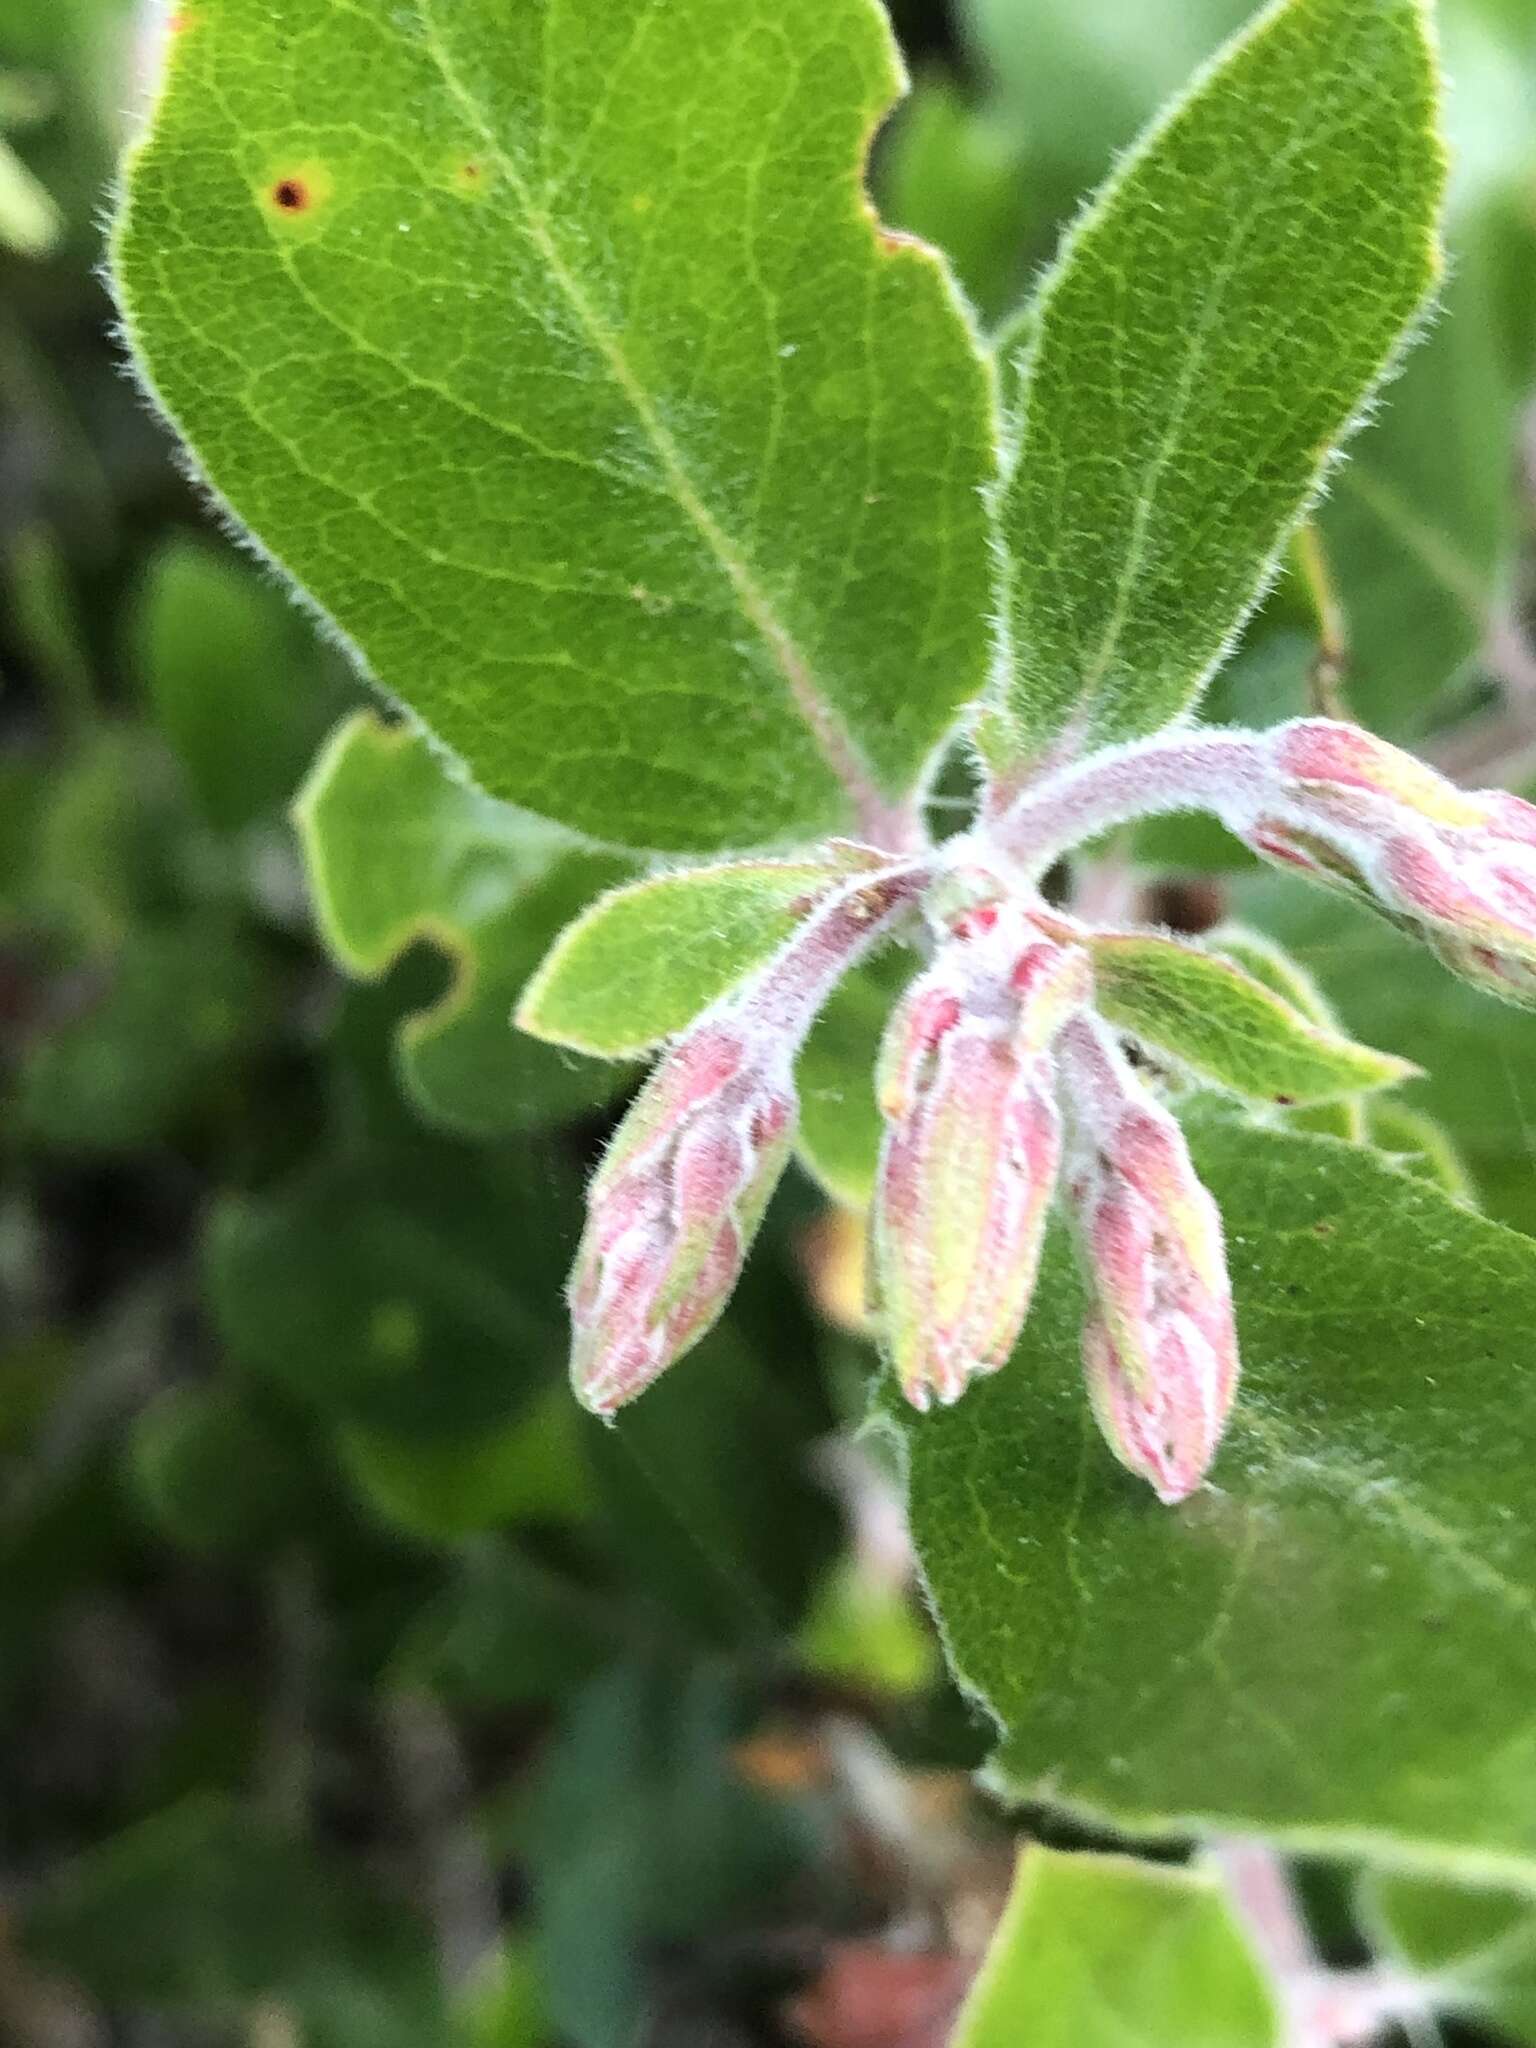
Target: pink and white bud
{"x":1159,"y":1343}
{"x":673,"y":1210}
{"x":972,"y":1148}
{"x":674,"y":1207}
{"x":1457,"y":868}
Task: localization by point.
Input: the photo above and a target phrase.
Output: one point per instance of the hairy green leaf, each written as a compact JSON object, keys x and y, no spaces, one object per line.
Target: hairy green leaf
{"x":1214,"y":325}
{"x":1104,"y":1952}
{"x":1228,"y":1027}
{"x":642,"y":963}
{"x":398,"y":850}
{"x":578,"y":387}
{"x":1332,"y":1641}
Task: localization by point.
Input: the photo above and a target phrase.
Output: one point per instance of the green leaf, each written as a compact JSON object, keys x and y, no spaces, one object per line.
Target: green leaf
{"x":398,"y":851}
{"x":1226,"y":1026}
{"x":1476,"y":1052}
{"x":30,"y":222}
{"x":708,"y":1496}
{"x":650,"y":477}
{"x":1215,"y":324}
{"x":208,"y":1471}
{"x":171,"y":1023}
{"x":643,"y":1835}
{"x":507,"y":2007}
{"x":1421,"y":525}
{"x":642,"y":963}
{"x":1477,"y":1946}
{"x":1103,"y":1952}
{"x":1080,"y":79}
{"x":219,"y":652}
{"x":509,"y":1632}
{"x":413,"y":1290}
{"x":1331,"y":1643}
{"x":1420,"y":1146}
{"x":445,"y":1488}
{"x":206,"y":1907}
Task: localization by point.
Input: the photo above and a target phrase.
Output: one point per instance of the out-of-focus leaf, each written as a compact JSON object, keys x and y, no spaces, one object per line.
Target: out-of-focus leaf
{"x":415,"y":1290}
{"x":507,"y":2008}
{"x":30,"y":223}
{"x":510,"y":1632}
{"x":178,"y":1012}
{"x":1475,"y":1946}
{"x":115,"y":846}
{"x":642,"y":1833}
{"x":1103,"y":1952}
{"x":840,"y":1126}
{"x":209,"y":1474}
{"x":446,"y":1488}
{"x":398,"y":850}
{"x":954,"y":173}
{"x":707,"y":1495}
{"x":1421,"y":521}
{"x":204,"y":1908}
{"x":1331,"y":1641}
{"x":642,"y":568}
{"x":1079,"y":80}
{"x":234,"y":680}
{"x":865,"y":1632}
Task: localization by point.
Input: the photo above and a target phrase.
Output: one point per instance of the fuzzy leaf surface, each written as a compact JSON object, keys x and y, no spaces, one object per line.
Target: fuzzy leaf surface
{"x":1227,"y":1026}
{"x":577,"y":386}
{"x":1105,"y":1952}
{"x":1212,"y":328}
{"x":642,"y":963}
{"x":1332,"y":1642}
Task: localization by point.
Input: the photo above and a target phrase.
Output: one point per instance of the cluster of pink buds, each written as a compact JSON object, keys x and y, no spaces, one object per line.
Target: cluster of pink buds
{"x":973,"y":1141}
{"x":999,"y":1081}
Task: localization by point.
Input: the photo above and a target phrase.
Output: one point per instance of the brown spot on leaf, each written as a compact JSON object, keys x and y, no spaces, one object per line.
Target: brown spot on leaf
{"x":293,"y":190}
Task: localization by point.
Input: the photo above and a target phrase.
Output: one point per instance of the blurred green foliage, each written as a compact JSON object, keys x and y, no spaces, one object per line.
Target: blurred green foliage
{"x":354,"y":1689}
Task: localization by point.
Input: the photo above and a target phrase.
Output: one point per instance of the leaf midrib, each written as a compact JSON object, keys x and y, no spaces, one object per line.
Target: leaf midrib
{"x":836,"y":745}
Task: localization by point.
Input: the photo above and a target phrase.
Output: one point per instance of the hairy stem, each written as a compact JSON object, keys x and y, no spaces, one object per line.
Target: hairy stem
{"x":1178,"y":771}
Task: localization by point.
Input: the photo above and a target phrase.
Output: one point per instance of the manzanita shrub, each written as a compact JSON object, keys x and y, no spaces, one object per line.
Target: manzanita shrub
{"x":816,"y":660}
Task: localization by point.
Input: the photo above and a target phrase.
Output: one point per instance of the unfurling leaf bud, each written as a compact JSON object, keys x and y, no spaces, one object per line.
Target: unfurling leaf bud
{"x":673,"y":1209}
{"x":1159,"y":1344}
{"x":1456,"y":868}
{"x":972,"y":1147}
